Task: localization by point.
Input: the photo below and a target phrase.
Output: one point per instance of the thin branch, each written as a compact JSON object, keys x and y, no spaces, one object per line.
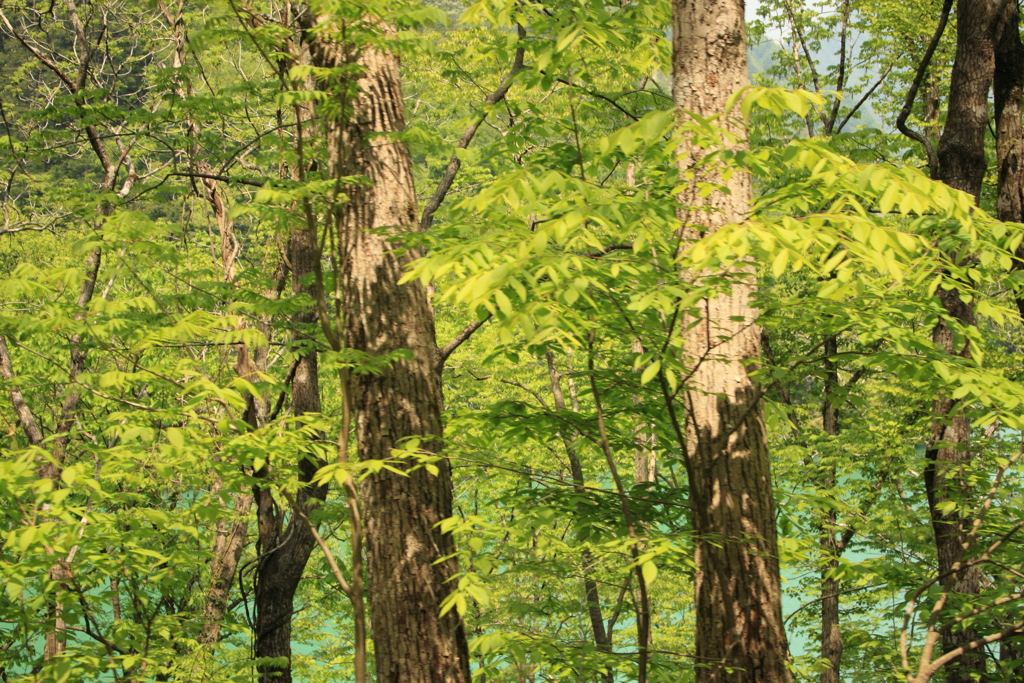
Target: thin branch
{"x":1016,"y":629}
{"x":460,"y":339}
{"x":998,"y":602}
{"x":38,"y":55}
{"x":25,"y":416}
{"x":908,"y":103}
{"x":454,"y":164}
{"x":841,"y":76}
{"x":807,"y":53}
{"x":643,"y":616}
{"x":817,"y":600}
{"x":862,"y":100}
{"x":222,"y":178}
{"x":540,"y":399}
{"x":601,"y":96}
{"x":342,"y":581}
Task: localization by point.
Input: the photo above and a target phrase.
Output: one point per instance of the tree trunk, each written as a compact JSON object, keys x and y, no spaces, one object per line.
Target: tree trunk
{"x":1007,"y":86}
{"x":602,"y":636}
{"x":831,"y":636}
{"x":285,"y":551}
{"x":962,"y":166}
{"x":944,"y":479}
{"x":962,"y":163}
{"x":740,"y":636}
{"x":230,"y":536}
{"x":412,"y":642}
{"x":932,"y":104}
{"x":1011,"y":654}
{"x":645,"y":457}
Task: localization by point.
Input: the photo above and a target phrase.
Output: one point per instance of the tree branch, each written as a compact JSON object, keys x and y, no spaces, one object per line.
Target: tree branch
{"x":25,"y":416}
{"x":862,"y":100}
{"x":908,"y":103}
{"x":930,"y":671}
{"x":222,"y":178}
{"x":817,"y":600}
{"x":454,"y":164}
{"x":841,"y":76}
{"x":460,"y":339}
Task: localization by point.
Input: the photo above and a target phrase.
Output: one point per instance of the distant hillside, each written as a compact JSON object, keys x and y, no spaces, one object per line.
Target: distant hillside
{"x":761,"y":57}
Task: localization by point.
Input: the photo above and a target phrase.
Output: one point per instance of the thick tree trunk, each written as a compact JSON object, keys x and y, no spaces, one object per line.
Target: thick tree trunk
{"x":412,"y":642}
{"x":1008,"y":84}
{"x":1007,"y":87}
{"x":227,"y":550}
{"x":285,"y":550}
{"x":944,"y":478}
{"x":740,"y":636}
{"x":962,"y":165}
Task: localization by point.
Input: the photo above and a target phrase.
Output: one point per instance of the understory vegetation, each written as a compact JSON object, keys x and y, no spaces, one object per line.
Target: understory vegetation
{"x":511,"y":341}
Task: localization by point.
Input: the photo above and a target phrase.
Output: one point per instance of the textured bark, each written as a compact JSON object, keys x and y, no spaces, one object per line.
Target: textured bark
{"x":1008,"y":82}
{"x":25,"y":417}
{"x":645,"y":458}
{"x":944,"y":479}
{"x":962,"y":166}
{"x":961,"y":151}
{"x":284,"y":549}
{"x":412,"y":642}
{"x":740,"y":636}
{"x":831,"y":636}
{"x":832,"y":547}
{"x":227,"y":550}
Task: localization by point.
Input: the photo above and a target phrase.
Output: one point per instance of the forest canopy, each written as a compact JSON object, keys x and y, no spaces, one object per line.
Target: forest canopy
{"x":438,"y":341}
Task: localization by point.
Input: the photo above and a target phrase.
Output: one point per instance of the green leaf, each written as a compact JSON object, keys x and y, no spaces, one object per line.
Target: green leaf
{"x":650,"y":372}
{"x":176,"y":437}
{"x":780,"y":262}
{"x":649,"y":571}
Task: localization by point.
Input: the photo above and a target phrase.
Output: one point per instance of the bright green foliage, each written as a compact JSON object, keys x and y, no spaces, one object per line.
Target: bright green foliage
{"x":562,"y":232}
